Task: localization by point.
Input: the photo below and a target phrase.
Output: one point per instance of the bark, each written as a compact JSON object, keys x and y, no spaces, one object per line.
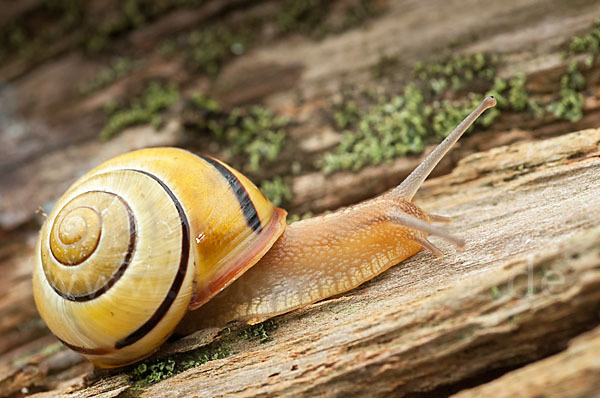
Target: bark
{"x":574,"y":372}
{"x":526,"y":284}
{"x":515,"y":312}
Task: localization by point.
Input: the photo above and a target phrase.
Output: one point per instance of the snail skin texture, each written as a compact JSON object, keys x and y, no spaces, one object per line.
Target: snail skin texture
{"x":149,"y":239}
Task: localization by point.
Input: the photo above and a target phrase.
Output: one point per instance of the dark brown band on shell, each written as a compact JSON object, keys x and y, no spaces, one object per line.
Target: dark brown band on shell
{"x":120,"y":271}
{"x":88,"y":351}
{"x":240,"y":192}
{"x":179,"y":277}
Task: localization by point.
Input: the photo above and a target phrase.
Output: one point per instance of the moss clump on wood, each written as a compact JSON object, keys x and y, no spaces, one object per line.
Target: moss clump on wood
{"x":397,"y":125}
{"x":210,"y":47}
{"x":302,"y":16}
{"x":155,"y":372}
{"x":457,"y":72}
{"x":207,"y":48}
{"x":292,"y":218}
{"x":311,"y":17}
{"x":474,"y":75}
{"x":390,"y":128}
{"x":443,"y":93}
{"x":55,"y":18}
{"x":256,"y":133}
{"x":260,"y":331}
{"x":125,"y":16}
{"x":277,"y":190}
{"x":588,"y":43}
{"x":117,"y":69}
{"x":152,"y":371}
{"x":149,"y":108}
{"x":570,"y":104}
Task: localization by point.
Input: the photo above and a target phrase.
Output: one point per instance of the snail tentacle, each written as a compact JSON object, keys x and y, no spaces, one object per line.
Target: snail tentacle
{"x":429,"y":246}
{"x":437,"y":218}
{"x":417,"y":224}
{"x":407,"y":189}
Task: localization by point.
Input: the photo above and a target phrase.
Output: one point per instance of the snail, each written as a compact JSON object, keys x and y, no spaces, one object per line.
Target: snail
{"x":156,"y":235}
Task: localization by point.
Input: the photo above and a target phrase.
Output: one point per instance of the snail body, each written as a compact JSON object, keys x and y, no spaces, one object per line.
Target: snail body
{"x":153,"y":236}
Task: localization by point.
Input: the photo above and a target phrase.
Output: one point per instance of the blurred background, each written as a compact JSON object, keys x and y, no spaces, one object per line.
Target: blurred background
{"x":321,"y":103}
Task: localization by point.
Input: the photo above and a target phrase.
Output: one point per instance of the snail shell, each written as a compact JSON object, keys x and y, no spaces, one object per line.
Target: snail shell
{"x":138,"y":241}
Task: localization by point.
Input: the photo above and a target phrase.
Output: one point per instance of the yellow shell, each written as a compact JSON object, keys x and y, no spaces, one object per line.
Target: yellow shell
{"x":138,"y":241}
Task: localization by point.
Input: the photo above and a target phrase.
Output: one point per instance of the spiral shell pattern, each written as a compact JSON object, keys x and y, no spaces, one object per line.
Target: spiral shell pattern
{"x":135,"y":243}
{"x":106,"y":265}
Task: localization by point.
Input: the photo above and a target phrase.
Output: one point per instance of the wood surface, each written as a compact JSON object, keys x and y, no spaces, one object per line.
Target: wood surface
{"x":516,"y":313}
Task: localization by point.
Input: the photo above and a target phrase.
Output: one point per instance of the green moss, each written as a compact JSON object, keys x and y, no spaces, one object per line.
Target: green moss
{"x":588,"y":43}
{"x":153,"y":371}
{"x":573,"y":79}
{"x":448,"y":115}
{"x":209,"y":47}
{"x":118,"y":68}
{"x":517,"y":97}
{"x":495,"y":292}
{"x":346,"y":114}
{"x":570,"y":104}
{"x":147,"y":109}
{"x":28,"y":34}
{"x":52,"y":348}
{"x":205,"y":104}
{"x":388,"y":129}
{"x":302,"y":16}
{"x":511,"y":95}
{"x":276,"y":190}
{"x":256,"y":134}
{"x":125,"y":16}
{"x":311,"y":17}
{"x":443,"y":94}
{"x":357,"y":14}
{"x":475,"y":73}
{"x":259,"y":331}
{"x":204,"y":356}
{"x":457,"y":72}
{"x":292,"y":218}
{"x":393,"y":127}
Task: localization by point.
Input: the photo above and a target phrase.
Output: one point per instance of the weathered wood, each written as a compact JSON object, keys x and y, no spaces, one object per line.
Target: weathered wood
{"x":574,"y":372}
{"x":528,"y":211}
{"x":525,"y":285}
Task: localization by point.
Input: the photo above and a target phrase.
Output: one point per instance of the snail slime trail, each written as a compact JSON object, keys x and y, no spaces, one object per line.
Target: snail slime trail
{"x":119,"y":267}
